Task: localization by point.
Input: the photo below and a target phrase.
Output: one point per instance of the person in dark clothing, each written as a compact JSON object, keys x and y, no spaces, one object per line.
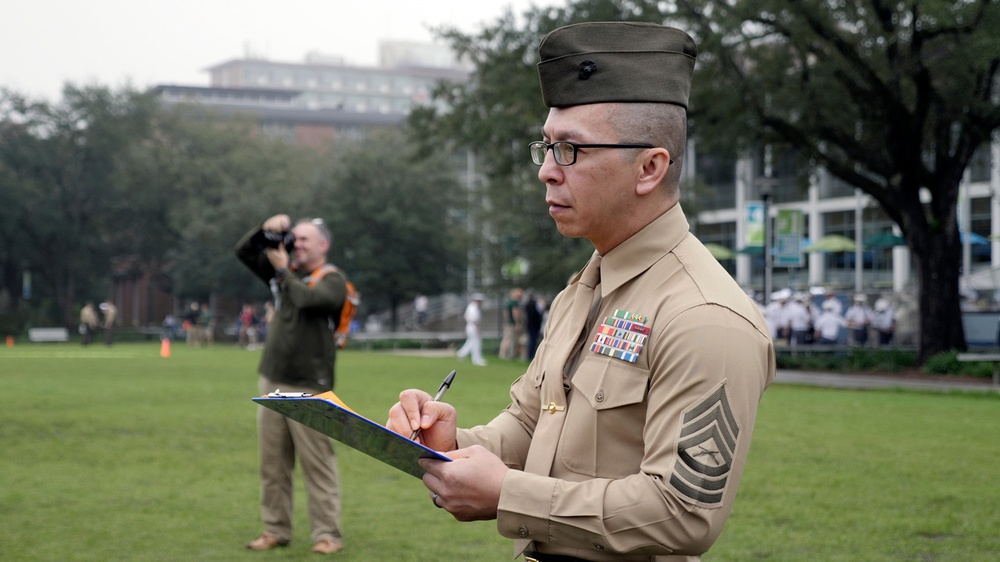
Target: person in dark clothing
{"x":532,"y":325}
{"x":299,"y":356}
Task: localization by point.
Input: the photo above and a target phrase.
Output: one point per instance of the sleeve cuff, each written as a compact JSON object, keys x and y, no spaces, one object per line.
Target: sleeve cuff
{"x":525,"y":506}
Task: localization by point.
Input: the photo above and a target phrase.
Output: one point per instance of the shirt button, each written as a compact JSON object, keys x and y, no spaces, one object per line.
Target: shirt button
{"x":522,"y":532}
{"x":599,"y":396}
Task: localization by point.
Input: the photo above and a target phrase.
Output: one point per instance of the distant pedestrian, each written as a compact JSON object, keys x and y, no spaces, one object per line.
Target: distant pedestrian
{"x":110,"y":312}
{"x":88,"y":322}
{"x":420,"y":310}
{"x":473,"y":332}
{"x":774,"y":314}
{"x":248,"y":332}
{"x":171,"y":327}
{"x":532,"y":325}
{"x":828,"y":324}
{"x":859,"y":319}
{"x":884,"y":321}
{"x":513,"y":326}
{"x":191,"y":325}
{"x":831,"y":297}
{"x":798,"y":320}
{"x":206,"y":325}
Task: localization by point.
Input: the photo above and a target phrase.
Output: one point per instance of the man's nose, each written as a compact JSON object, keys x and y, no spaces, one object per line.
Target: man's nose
{"x":549,"y":171}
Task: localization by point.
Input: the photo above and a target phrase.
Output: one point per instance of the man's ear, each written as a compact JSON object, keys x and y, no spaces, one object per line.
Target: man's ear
{"x":655,"y":164}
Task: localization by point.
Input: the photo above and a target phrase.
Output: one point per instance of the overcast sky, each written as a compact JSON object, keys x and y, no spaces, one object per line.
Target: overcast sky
{"x":44,"y":43}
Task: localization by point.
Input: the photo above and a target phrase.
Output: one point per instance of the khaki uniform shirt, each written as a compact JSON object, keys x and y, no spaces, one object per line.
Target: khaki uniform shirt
{"x":640,"y":460}
{"x":88,"y":316}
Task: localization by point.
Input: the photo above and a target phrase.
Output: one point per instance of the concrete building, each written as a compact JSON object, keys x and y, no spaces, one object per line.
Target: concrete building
{"x":323,"y":99}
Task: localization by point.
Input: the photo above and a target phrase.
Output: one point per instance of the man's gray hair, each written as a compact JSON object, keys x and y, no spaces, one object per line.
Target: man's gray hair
{"x":324,"y":232}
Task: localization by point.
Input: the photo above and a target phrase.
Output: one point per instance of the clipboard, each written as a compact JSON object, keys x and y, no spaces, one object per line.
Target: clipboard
{"x":330,"y":416}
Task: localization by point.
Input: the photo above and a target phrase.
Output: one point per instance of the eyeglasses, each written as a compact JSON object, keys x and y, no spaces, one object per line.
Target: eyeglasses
{"x":565,"y":151}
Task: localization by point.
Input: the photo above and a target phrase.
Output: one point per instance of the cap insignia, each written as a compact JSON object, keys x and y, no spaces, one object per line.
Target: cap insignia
{"x":587,"y":68}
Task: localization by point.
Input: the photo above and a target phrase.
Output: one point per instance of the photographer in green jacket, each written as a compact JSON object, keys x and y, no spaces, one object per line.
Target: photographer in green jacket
{"x":299,"y":356}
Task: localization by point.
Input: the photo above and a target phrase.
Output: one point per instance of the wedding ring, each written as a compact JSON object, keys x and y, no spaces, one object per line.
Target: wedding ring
{"x":434,"y":498}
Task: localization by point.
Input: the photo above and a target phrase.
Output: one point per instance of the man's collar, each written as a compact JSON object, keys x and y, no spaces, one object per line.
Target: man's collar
{"x":643,"y":249}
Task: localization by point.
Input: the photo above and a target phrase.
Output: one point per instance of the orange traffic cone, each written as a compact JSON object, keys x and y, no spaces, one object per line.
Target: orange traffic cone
{"x":165,"y":347}
{"x":10,"y":341}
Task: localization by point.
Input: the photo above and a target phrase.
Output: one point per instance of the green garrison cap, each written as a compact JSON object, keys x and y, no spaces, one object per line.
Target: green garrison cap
{"x":599,"y":62}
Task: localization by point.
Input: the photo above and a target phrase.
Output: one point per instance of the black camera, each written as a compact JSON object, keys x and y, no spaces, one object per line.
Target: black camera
{"x":275,"y":239}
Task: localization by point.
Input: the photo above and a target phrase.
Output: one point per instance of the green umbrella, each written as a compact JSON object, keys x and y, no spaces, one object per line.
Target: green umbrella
{"x":832,"y":243}
{"x":751,"y":250}
{"x":884,"y":240}
{"x":720,"y":252}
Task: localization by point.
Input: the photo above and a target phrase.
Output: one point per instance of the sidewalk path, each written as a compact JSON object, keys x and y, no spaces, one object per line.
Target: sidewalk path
{"x":817,"y":378}
{"x":869,"y":382}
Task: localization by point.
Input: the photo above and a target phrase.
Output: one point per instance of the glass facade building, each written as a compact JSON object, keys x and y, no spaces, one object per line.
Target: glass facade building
{"x":720,"y":188}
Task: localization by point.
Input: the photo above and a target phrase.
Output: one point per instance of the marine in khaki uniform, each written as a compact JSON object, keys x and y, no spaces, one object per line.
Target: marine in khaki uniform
{"x":626,"y":438}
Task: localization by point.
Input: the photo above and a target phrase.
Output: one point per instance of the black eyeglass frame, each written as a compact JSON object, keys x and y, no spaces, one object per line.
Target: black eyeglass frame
{"x":576,"y":148}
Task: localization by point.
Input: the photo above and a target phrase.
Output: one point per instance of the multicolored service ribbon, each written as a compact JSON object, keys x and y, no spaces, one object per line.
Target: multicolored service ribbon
{"x":621,"y":336}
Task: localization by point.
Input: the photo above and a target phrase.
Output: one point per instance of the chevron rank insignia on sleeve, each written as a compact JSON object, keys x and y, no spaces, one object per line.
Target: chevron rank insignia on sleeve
{"x":705,"y":449}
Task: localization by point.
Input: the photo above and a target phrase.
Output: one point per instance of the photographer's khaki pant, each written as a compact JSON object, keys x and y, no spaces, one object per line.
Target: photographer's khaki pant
{"x":280,"y":440}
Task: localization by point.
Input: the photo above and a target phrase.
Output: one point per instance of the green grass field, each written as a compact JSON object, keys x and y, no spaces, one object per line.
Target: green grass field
{"x":119,"y":454}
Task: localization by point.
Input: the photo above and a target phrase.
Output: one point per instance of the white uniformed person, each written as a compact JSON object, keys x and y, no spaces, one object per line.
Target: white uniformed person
{"x":626,"y":437}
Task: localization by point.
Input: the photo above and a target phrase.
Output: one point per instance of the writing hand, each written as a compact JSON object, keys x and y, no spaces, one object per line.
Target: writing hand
{"x":416,"y":409}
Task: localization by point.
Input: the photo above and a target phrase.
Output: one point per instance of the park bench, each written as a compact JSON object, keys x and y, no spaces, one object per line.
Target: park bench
{"x":985,"y":358}
{"x":48,"y":334}
{"x":423,"y":339}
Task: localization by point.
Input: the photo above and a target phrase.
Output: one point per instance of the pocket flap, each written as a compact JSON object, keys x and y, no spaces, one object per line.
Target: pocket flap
{"x":609,"y":383}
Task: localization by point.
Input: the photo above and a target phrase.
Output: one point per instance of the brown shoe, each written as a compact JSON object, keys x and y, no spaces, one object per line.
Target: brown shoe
{"x":266,"y":541}
{"x":327,"y":546}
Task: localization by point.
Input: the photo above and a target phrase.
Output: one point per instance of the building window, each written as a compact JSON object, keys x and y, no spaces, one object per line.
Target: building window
{"x":979,"y":166}
{"x":980,"y":224}
{"x":723,"y":234}
{"x":280,"y":131}
{"x":833,"y":187}
{"x":715,"y":181}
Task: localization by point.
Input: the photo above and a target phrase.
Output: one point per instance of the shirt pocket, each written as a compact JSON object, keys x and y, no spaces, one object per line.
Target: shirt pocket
{"x":603,"y":433}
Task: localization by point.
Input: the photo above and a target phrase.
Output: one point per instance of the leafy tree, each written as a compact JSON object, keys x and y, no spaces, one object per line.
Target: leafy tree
{"x":63,"y":165}
{"x":394,"y":218}
{"x":15,"y":250}
{"x":223,"y":182}
{"x":892,"y":97}
{"x":496,"y":114}
{"x":109,"y":184}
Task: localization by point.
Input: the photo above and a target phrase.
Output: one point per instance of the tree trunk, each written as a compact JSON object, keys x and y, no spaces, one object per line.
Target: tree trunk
{"x":65,"y":297}
{"x":394,"y":318}
{"x":939,"y":309}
